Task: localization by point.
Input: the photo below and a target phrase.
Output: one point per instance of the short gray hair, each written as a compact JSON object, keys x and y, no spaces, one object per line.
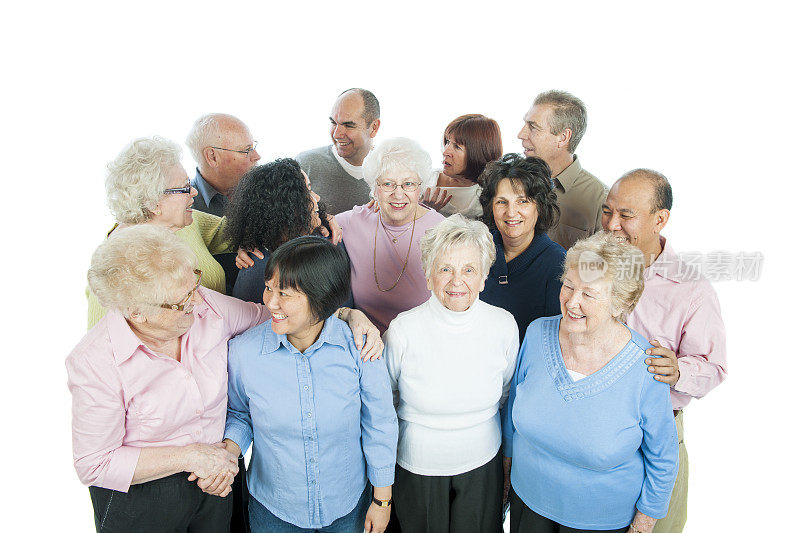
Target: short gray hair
{"x":568,"y":111}
{"x":397,"y":153}
{"x":136,"y":179}
{"x":139,"y":267}
{"x":372,"y":108}
{"x":625,"y":267}
{"x":204,"y":132}
{"x":453,"y":232}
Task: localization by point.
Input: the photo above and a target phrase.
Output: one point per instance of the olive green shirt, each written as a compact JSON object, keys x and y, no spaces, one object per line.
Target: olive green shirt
{"x":580,"y":198}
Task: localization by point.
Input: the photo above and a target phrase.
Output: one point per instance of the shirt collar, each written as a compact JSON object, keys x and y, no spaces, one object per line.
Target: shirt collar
{"x":207,"y":192}
{"x":332,"y":333}
{"x":354,"y":171}
{"x":570,"y":174}
{"x":124,"y":341}
{"x":666,"y":265}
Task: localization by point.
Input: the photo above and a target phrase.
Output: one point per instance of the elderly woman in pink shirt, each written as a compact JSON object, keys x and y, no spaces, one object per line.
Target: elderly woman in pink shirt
{"x":149,"y":387}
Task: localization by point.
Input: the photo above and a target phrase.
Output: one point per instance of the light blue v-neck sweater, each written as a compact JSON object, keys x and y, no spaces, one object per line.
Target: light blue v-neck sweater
{"x":588,"y":453}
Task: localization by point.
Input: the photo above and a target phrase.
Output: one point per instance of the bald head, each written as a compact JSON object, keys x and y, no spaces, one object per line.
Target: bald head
{"x":371,"y":110}
{"x":223,"y":148}
{"x":660,"y":189}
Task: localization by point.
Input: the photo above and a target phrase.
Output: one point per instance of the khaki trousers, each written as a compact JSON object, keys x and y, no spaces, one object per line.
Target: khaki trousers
{"x":676,"y":515}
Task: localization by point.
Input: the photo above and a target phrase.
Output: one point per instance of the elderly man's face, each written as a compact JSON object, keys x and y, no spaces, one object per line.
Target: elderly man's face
{"x":233,"y":165}
{"x":350,"y":133}
{"x":585,"y":305}
{"x":628,"y":214}
{"x":536,"y":137}
{"x":457,"y":277}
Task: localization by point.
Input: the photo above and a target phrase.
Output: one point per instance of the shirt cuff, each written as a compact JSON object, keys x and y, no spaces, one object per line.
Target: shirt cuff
{"x":381,"y":477}
{"x":243,"y":437}
{"x":121,"y":467}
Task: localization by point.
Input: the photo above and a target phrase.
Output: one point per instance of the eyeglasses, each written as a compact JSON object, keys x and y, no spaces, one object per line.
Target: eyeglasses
{"x":408,"y":186}
{"x":246,"y":151}
{"x":186,"y":301}
{"x":179,"y":190}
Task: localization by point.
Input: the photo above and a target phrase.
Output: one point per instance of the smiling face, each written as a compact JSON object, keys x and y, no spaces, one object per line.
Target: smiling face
{"x":291,"y":312}
{"x":174,"y":211}
{"x":585,"y":306}
{"x":398,"y":207}
{"x":515,"y":215}
{"x":454,"y":158}
{"x":628,"y":214}
{"x":315,"y":220}
{"x":350,"y":133}
{"x":169,"y":324}
{"x":456,"y":278}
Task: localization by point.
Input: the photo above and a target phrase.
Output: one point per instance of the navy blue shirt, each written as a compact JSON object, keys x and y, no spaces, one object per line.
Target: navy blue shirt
{"x":208,"y":199}
{"x":528,"y":286}
{"x":250,"y":284}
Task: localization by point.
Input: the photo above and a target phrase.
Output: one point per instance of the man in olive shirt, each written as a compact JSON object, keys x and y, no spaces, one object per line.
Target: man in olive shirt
{"x":224,"y":150}
{"x":553,"y":128}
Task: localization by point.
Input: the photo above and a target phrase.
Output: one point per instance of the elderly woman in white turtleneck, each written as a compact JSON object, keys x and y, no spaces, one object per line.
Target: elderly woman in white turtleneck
{"x":450,"y":361}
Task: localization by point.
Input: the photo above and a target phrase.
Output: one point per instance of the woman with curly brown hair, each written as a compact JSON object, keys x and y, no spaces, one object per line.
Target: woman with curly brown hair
{"x":272,"y":204}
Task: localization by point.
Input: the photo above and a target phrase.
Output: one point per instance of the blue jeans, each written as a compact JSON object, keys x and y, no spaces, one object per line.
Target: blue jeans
{"x":262,"y":521}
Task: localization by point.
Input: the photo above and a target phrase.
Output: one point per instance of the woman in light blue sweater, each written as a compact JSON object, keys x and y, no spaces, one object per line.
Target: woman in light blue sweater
{"x":590,"y":432}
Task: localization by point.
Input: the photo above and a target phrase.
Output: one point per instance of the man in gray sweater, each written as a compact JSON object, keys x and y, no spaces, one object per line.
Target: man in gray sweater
{"x":335,"y":170}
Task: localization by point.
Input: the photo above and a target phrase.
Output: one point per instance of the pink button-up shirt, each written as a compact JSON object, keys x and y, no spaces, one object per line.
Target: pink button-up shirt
{"x":680,"y":309}
{"x":126,"y":397}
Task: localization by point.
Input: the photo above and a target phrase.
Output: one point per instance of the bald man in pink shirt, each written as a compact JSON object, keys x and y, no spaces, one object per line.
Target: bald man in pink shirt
{"x":679,"y":311}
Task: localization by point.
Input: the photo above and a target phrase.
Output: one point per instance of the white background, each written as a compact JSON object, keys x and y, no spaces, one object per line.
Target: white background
{"x":704,"y":92}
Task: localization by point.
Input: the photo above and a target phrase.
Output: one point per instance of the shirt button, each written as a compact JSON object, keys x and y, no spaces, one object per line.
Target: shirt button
{"x":199,"y":411}
{"x":309,"y":415}
{"x":305,"y":387}
{"x":311,"y":460}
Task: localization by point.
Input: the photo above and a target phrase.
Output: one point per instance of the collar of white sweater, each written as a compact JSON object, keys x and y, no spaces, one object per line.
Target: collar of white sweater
{"x":455,"y":319}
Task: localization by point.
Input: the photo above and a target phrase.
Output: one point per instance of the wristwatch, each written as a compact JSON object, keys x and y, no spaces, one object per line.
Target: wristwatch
{"x":382,"y":503}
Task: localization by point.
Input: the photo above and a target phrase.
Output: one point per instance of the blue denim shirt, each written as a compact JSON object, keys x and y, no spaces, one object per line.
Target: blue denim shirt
{"x":321,"y":422}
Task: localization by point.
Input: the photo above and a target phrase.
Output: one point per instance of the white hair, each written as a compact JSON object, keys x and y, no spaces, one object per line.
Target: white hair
{"x":625,"y":268}
{"x":205,"y":132}
{"x":136,"y":179}
{"x":454,"y":232}
{"x":396,"y":153}
{"x":139,"y":267}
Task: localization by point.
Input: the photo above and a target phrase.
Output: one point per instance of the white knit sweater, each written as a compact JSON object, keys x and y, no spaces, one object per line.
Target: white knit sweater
{"x":450,"y":372}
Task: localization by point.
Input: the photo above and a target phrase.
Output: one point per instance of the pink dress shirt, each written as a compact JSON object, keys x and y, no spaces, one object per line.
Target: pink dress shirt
{"x":126,"y":397}
{"x":358,"y":233}
{"x":680,"y":310}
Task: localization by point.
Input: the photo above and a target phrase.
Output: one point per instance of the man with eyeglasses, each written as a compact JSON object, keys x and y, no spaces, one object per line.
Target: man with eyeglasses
{"x":335,"y":170}
{"x":224,"y":150}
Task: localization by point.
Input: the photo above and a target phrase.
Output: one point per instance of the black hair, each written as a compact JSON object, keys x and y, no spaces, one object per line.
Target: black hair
{"x":315,"y":267}
{"x":532,"y":175}
{"x":270,"y":205}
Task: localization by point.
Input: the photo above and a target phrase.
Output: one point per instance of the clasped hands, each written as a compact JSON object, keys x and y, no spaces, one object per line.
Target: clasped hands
{"x":213,"y":466}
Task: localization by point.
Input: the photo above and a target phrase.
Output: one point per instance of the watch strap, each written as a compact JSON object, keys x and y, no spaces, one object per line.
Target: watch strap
{"x":382,"y":503}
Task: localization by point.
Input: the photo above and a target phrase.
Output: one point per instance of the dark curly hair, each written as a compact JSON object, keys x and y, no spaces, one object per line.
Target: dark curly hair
{"x":532,"y":175}
{"x":270,"y":205}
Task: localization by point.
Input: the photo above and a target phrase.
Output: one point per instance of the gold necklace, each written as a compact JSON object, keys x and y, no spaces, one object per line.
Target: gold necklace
{"x":390,"y":235}
{"x":375,"y":255}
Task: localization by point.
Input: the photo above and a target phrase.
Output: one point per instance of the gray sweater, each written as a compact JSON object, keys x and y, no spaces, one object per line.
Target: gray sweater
{"x":339,"y":190}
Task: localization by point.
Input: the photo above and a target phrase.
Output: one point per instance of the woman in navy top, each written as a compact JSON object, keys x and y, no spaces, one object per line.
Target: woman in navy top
{"x":272,"y":204}
{"x":321,"y":421}
{"x":591,"y":433}
{"x":519,"y":206}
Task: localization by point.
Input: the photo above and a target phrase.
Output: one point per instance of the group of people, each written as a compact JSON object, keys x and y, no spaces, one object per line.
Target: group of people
{"x":404,"y":348}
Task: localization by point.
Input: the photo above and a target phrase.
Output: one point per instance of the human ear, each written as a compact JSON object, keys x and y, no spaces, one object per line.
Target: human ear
{"x":373,"y":128}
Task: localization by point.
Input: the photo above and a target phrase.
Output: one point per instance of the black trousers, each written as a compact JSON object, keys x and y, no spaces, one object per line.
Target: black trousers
{"x":465,"y":503}
{"x":525,"y":520}
{"x":167,"y":505}
{"x":240,"y":520}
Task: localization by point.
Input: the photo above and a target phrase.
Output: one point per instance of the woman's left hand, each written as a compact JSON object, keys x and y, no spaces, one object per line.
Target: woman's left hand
{"x":335,"y":235}
{"x":371,"y":348}
{"x":219,"y":485}
{"x":377,"y":519}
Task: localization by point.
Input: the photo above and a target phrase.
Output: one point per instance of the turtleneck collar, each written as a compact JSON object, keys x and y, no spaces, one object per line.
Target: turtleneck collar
{"x":454,"y":319}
